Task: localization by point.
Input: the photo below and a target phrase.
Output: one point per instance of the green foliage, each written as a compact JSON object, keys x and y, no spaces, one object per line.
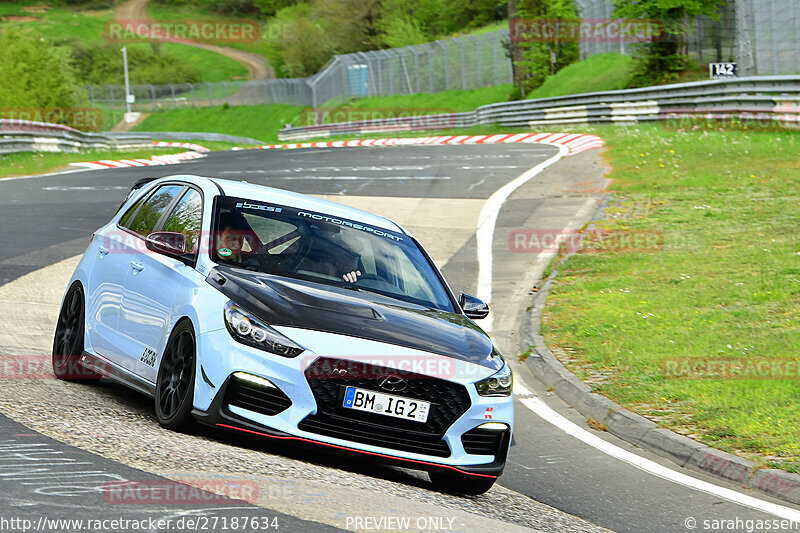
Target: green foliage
{"x":403,"y":31}
{"x":601,"y":72}
{"x":35,"y":74}
{"x":148,"y":63}
{"x":539,"y":58}
{"x":303,"y":36}
{"x":662,"y":60}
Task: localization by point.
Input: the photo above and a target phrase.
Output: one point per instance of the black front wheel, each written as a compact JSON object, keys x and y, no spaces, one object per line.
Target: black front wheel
{"x":68,"y":340}
{"x":175,"y":382}
{"x":456,"y":483}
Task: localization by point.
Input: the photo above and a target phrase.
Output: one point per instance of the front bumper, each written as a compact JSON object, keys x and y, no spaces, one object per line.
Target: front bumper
{"x":296,"y":404}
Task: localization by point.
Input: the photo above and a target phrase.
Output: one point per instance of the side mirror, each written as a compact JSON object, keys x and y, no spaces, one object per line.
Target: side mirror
{"x":474,"y":308}
{"x":168,"y":243}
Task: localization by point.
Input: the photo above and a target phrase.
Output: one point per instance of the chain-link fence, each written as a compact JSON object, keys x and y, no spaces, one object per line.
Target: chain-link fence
{"x":460,"y":63}
{"x":762,"y":36}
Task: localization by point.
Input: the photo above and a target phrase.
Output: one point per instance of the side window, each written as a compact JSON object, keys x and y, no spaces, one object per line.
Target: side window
{"x":186,"y":218}
{"x":125,"y":221}
{"x":148,"y":216}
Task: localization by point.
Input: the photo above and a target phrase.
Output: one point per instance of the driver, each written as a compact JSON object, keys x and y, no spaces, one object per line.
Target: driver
{"x":238,"y":243}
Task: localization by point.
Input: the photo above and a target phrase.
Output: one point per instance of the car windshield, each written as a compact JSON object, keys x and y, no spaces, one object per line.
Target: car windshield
{"x":313,"y":246}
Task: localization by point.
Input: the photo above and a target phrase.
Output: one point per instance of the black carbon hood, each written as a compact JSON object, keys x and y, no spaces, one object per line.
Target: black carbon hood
{"x":281,"y":301}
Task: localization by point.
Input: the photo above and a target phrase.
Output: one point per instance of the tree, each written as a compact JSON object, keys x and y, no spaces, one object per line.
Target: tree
{"x":537,"y":48}
{"x":36,"y":74}
{"x":662,"y":59}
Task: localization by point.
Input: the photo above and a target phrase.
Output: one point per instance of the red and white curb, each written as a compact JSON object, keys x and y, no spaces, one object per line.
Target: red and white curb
{"x":575,"y":142}
{"x":196,"y":152}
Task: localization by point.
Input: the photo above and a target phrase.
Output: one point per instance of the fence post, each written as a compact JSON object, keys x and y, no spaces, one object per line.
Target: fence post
{"x":225,"y":87}
{"x":191,"y":88}
{"x":478,"y":75}
{"x":494,"y":56}
{"x":416,"y":66}
{"x":111,"y":94}
{"x":172,"y":92}
{"x":91,"y":94}
{"x":430,"y":68}
{"x":463,"y":65}
{"x":446,"y":66}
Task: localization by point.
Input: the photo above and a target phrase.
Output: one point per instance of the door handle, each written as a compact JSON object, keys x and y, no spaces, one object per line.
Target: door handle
{"x":138,"y":267}
{"x":103,"y":251}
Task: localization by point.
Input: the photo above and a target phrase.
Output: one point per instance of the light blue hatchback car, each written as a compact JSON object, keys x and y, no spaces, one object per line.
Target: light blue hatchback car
{"x":288,"y":317}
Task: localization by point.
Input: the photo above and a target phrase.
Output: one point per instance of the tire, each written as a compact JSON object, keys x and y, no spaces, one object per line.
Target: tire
{"x":460,"y":483}
{"x":175,"y":381}
{"x":68,"y":339}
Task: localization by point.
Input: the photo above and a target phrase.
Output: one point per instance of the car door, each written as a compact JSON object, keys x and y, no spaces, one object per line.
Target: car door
{"x":128,"y":239}
{"x":105,"y":283}
{"x":152,"y":284}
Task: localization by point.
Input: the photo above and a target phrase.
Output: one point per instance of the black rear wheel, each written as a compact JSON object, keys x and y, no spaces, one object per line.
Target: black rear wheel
{"x":175,"y":382}
{"x":456,"y":483}
{"x":68,"y":340}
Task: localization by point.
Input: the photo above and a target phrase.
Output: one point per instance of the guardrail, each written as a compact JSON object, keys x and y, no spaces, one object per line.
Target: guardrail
{"x":31,"y":136}
{"x":413,"y":123}
{"x":774,"y":98}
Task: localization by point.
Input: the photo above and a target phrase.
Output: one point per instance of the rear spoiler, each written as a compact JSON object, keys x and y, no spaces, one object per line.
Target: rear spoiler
{"x":134,"y":188}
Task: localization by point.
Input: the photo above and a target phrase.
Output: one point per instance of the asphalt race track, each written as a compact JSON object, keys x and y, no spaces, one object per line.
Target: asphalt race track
{"x":62,"y":444}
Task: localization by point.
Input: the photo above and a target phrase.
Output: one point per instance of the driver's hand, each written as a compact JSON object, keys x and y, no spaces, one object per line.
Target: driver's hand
{"x":351,"y":277}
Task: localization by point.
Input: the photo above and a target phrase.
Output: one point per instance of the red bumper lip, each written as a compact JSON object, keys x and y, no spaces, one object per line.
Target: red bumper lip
{"x":354,"y":450}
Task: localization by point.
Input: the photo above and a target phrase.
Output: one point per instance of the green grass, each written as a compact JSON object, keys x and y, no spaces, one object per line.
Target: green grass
{"x":602,"y":72}
{"x":59,"y":23}
{"x":725,"y":285}
{"x":259,"y":122}
{"x":263,"y":121}
{"x":453,"y":100}
{"x":27,"y":163}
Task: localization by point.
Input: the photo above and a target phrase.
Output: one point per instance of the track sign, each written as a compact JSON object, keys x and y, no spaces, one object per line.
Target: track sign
{"x":719,"y":71}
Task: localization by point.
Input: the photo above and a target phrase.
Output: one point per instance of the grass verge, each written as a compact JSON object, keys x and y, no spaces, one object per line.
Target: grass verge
{"x":602,"y":72}
{"x":724,"y":288}
{"x":28,"y":163}
{"x":263,"y":121}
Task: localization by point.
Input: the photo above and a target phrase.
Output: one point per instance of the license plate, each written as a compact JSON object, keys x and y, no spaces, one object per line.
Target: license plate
{"x":386,"y":404}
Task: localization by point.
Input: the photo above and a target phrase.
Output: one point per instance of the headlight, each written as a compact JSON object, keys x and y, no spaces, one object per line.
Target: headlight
{"x":498,"y":384}
{"x":247,"y":329}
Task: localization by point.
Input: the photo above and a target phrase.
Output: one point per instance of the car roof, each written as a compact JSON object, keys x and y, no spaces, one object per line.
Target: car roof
{"x":263,"y":193}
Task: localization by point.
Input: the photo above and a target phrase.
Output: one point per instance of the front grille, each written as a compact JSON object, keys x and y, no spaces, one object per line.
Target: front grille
{"x":265,"y":400}
{"x":482,"y":441}
{"x":328,"y":379}
{"x":357,"y":431}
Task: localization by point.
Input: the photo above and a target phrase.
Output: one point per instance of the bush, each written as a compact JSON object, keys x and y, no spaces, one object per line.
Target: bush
{"x":147,"y":63}
{"x":36,"y":74}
